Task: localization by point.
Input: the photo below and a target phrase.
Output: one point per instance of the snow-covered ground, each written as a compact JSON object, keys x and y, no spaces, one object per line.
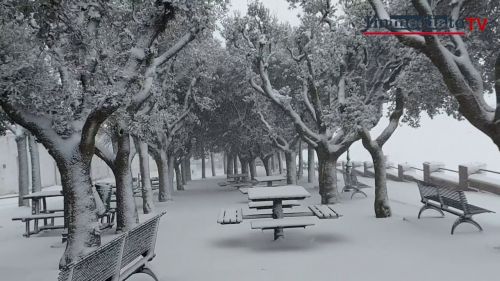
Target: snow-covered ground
{"x":191,"y":246}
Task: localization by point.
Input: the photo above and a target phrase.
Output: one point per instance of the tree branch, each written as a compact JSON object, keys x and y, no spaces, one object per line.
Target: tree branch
{"x":393,"y":119}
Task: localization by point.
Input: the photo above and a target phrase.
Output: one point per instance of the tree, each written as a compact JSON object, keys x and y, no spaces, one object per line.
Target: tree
{"x":73,"y":64}
{"x":461,"y":70}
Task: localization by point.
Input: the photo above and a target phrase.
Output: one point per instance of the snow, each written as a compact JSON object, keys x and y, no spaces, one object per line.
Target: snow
{"x":357,"y":246}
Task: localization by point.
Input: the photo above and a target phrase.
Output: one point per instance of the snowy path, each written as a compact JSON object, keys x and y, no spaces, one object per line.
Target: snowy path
{"x":191,"y":246}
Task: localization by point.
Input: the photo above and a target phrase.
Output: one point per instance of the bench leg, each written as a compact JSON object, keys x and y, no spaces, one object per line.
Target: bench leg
{"x":27,"y":233}
{"x":145,"y":270}
{"x":429,"y":207}
{"x":465,"y":220}
{"x":356,"y":190}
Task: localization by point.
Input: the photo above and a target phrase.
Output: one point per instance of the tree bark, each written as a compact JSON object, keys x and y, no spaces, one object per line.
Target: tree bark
{"x":36,"y":178}
{"x":126,"y":209}
{"x":161,"y":160}
{"x":203,"y":167}
{"x":327,"y":176}
{"x":188,"y":167}
{"x":230,"y":164}
{"x":212,"y":164}
{"x":235,"y":163}
{"x":273,"y":164}
{"x":147,"y":190}
{"x":22,"y":168}
{"x":244,"y":165}
{"x":253,"y":169}
{"x":300,"y":172}
{"x":381,"y":205}
{"x":280,"y":163}
{"x":224,"y":161}
{"x":80,"y":204}
{"x":266,"y":161}
{"x":310,"y":164}
{"x":178,"y":175}
{"x":291,"y":167}
{"x":171,"y":173}
{"x":183,"y":170}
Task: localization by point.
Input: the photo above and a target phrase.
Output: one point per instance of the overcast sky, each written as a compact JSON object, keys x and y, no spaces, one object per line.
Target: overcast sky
{"x":442,"y":139}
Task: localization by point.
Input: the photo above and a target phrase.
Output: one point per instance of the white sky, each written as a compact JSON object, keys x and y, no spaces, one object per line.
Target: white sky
{"x":442,"y":139}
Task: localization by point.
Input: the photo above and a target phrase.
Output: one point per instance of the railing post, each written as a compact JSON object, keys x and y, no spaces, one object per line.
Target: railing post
{"x":402,"y":168}
{"x":465,"y":170}
{"x":367,"y":165}
{"x":431,"y":167}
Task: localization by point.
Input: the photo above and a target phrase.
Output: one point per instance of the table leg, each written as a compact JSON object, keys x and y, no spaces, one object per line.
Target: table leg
{"x":278,"y":214}
{"x":269,"y":183}
{"x":44,"y":209}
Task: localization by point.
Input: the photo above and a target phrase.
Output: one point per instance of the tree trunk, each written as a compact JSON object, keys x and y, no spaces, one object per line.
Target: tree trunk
{"x":244,"y":165}
{"x":178,"y":175}
{"x":36,"y":178}
{"x":300,"y":172}
{"x":253,"y":169}
{"x":327,"y":177}
{"x":183,"y":171}
{"x":212,"y":164}
{"x":162,"y":163}
{"x":203,"y":167}
{"x":235,"y":163}
{"x":291,"y":167}
{"x":310,"y":164}
{"x":147,"y":191}
{"x":22,"y":168}
{"x":266,"y":161}
{"x":126,"y":209}
{"x":224,"y":161}
{"x":280,"y":163}
{"x":80,"y":205}
{"x":381,"y":205}
{"x":230,"y":162}
{"x":188,"y":167}
{"x":273,"y":164}
{"x":171,"y":174}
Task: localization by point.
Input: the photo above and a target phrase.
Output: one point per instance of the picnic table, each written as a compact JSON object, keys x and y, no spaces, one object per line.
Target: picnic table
{"x":39,"y":200}
{"x":277,"y":195}
{"x":40,"y":211}
{"x":270,"y":179}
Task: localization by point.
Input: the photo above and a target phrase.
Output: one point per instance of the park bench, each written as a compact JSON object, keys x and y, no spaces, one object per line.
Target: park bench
{"x":36,"y":218}
{"x":289,"y":222}
{"x":230,"y":216}
{"x":351,"y":183}
{"x":451,"y":201}
{"x":119,"y":259}
{"x":269,"y":204}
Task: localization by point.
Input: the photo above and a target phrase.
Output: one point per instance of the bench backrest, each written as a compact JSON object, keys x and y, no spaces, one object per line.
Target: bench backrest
{"x":140,"y":242}
{"x":427,"y":191}
{"x":99,"y":265}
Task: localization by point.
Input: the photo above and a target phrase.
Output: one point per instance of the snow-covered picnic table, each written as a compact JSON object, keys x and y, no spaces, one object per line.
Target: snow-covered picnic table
{"x":39,"y":200}
{"x":277,"y":195}
{"x":270,"y":179}
{"x":237,"y":177}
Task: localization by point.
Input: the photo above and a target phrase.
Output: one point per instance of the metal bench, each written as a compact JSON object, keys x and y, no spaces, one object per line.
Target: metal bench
{"x":230,"y":216}
{"x":324,"y":211}
{"x":351,"y":183}
{"x":119,"y":259}
{"x":269,"y":204}
{"x":290,"y":222}
{"x":451,"y":201}
{"x":36,"y":218}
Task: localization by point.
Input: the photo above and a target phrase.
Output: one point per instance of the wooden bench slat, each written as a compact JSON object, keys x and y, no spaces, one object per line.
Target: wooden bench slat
{"x":269,"y":204}
{"x":39,"y":216}
{"x":290,"y":222}
{"x":324,"y":211}
{"x":230,"y":216}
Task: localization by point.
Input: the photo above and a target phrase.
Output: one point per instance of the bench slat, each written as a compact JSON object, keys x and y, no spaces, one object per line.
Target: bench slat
{"x":269,"y":204}
{"x":290,"y":222}
{"x":230,"y":216}
{"x":39,"y":216}
{"x":323,"y":211}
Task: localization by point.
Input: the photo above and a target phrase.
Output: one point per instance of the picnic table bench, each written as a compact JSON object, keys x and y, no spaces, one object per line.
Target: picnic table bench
{"x":36,"y":218}
{"x":119,"y":259}
{"x":451,"y":201}
{"x":291,"y":222}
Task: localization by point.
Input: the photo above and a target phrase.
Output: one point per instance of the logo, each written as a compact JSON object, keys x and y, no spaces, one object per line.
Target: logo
{"x":440,"y":25}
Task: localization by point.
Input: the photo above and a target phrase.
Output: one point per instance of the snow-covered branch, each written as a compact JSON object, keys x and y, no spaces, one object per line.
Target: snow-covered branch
{"x":393,"y":119}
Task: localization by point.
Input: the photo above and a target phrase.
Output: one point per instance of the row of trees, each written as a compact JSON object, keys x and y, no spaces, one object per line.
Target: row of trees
{"x":120,"y":78}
